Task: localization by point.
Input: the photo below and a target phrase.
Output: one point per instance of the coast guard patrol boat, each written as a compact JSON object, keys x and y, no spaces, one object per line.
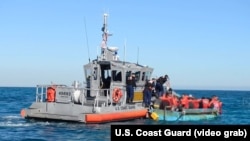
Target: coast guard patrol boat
{"x":102,"y":99}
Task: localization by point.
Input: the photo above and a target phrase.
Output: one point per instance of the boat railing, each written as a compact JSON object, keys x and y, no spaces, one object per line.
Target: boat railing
{"x":103,"y":97}
{"x":42,"y":90}
{"x":41,"y":93}
{"x":165,"y":111}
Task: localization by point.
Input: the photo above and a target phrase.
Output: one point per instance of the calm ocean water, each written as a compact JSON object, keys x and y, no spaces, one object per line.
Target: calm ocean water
{"x":236,"y":110}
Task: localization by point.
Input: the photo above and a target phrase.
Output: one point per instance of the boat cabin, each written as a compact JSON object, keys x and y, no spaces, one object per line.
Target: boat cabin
{"x":107,"y":72}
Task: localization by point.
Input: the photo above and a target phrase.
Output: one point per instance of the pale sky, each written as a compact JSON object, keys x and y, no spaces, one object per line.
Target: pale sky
{"x":200,"y":44}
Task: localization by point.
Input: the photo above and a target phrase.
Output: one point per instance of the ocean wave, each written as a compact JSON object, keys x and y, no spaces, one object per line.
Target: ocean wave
{"x":13,"y":124}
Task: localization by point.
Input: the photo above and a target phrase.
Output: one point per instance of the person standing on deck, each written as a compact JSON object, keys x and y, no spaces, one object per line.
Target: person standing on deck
{"x":159,"y":87}
{"x":130,"y":88}
{"x":166,"y":83}
{"x":147,"y":93}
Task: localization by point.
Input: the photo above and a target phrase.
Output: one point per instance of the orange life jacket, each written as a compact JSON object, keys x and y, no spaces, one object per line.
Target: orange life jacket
{"x":184,"y":102}
{"x":196,"y":103}
{"x":205,"y":103}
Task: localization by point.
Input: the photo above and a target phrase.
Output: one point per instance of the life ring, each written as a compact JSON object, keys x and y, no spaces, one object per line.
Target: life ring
{"x":117,"y":94}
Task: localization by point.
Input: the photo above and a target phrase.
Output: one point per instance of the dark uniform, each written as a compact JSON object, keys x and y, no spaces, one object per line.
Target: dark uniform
{"x":130,"y":88}
{"x":147,"y":94}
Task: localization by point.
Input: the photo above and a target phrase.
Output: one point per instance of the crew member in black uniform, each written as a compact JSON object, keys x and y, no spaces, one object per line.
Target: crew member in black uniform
{"x":131,"y":85}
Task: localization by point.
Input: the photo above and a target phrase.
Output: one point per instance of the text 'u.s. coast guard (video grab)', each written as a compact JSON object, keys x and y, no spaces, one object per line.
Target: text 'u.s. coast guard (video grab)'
{"x":196,"y":133}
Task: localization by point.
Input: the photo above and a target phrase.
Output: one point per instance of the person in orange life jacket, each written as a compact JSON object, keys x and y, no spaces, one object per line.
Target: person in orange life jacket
{"x":190,"y":102}
{"x":175,"y":103}
{"x":193,"y":102}
{"x":167,"y":100}
{"x":220,"y":107}
{"x":179,"y":104}
{"x":196,"y":103}
{"x":184,"y":101}
{"x":147,"y":93}
{"x":204,"y":103}
{"x":131,"y":85}
{"x":215,"y":103}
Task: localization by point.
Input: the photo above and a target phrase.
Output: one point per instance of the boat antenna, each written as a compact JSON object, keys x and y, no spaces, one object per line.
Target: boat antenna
{"x":86,"y":37}
{"x":137,"y":55}
{"x":124,"y":52}
{"x":105,"y":34}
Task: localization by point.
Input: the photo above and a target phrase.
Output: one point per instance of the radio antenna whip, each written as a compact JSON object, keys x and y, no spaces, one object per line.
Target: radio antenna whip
{"x":124,"y":58}
{"x":137,"y":55}
{"x":86,"y":37}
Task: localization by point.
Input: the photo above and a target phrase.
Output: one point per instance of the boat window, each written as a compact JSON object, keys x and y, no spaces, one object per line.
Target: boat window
{"x":137,"y":76}
{"x":147,"y":75}
{"x":88,"y":76}
{"x":128,"y":73}
{"x":88,"y":73}
{"x":143,"y":76}
{"x":107,"y":74}
{"x":117,"y":75}
{"x":95,"y":73}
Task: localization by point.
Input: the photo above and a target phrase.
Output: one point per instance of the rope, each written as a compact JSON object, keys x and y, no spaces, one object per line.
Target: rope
{"x":181,"y":115}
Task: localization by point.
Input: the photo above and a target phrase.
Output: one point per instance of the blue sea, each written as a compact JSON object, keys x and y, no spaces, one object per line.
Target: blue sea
{"x":236,"y":110}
